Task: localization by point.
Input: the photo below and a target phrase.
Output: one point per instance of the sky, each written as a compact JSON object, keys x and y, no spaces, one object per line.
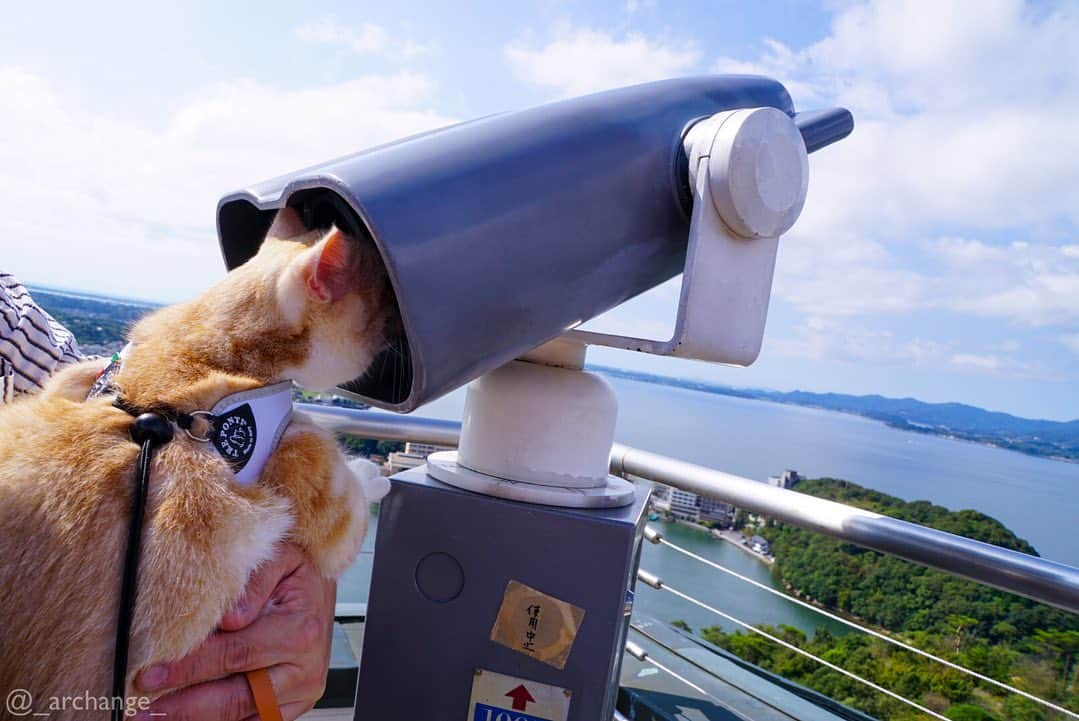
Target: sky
{"x":937,"y":256}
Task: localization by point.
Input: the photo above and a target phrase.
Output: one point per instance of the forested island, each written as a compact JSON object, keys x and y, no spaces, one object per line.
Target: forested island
{"x":1012,"y":639}
{"x":1048,"y":439}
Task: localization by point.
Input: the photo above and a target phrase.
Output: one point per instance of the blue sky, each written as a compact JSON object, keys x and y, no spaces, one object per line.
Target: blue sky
{"x":937,"y":256}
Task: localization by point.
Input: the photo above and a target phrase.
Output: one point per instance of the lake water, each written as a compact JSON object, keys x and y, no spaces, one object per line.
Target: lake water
{"x":1036,"y":498}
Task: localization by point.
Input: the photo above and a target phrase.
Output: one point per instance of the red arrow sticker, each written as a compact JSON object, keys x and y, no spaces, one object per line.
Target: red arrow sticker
{"x":526,"y":699}
{"x":521,"y":698}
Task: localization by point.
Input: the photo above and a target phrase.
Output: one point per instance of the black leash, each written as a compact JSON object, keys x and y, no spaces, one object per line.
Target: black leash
{"x":150,"y":430}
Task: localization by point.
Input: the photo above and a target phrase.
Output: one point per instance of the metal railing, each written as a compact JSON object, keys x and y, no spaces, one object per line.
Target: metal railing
{"x":1050,"y":582}
{"x":659,"y":584}
{"x":650,"y":579}
{"x":754,"y":697}
{"x":383,"y":426}
{"x":1047,"y":581}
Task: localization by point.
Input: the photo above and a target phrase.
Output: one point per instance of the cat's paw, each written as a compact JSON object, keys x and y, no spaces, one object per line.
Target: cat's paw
{"x":375,"y":485}
{"x":355,"y":485}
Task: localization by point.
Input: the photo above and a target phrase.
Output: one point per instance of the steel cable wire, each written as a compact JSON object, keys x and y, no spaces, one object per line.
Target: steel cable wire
{"x":790,"y":646}
{"x":877,"y":634}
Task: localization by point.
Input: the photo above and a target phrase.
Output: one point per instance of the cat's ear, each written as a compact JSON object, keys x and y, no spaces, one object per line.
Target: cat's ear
{"x":330,"y":271}
{"x":286,"y":224}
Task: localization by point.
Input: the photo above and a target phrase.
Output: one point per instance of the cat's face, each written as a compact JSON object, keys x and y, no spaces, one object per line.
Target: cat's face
{"x":334,"y":288}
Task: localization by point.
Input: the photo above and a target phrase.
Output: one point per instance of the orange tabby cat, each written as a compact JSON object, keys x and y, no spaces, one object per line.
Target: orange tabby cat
{"x":311,"y":307}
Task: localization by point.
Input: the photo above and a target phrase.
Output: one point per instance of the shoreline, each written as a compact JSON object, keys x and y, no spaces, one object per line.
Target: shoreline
{"x":730,"y":536}
{"x":765,"y":396}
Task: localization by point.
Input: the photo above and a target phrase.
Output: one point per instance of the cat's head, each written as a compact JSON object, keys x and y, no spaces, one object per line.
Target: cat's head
{"x":332,"y":289}
{"x":312,"y":305}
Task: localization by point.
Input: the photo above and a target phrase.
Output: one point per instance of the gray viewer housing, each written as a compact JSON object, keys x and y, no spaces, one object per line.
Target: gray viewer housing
{"x":501,"y":233}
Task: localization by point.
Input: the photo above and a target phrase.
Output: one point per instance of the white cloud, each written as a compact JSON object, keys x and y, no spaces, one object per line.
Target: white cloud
{"x":963,"y":121}
{"x":966,"y":251}
{"x":777,"y":61}
{"x":635,"y":6}
{"x":1033,"y":284}
{"x":956,"y":55}
{"x":1071,"y":342}
{"x":581,"y":61}
{"x":980,"y":362}
{"x":845,"y":281}
{"x":117,"y":205}
{"x":995,"y":364}
{"x":824,"y":338}
{"x":366,"y":38}
{"x":1021,"y":282}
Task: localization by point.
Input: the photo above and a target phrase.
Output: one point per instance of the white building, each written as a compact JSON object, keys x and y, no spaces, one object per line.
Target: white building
{"x":415,"y":454}
{"x":760,"y":545}
{"x":787,"y":479}
{"x":717,"y":511}
{"x":687,"y":506}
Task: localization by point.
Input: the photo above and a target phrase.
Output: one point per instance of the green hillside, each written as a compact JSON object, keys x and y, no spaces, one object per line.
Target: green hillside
{"x":1006,"y":637}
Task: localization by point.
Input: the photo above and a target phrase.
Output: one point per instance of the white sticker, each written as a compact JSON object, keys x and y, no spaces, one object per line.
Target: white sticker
{"x":497,"y":697}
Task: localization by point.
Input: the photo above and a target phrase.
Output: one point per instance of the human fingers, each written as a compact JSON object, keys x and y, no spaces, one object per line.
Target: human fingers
{"x":260,"y":586}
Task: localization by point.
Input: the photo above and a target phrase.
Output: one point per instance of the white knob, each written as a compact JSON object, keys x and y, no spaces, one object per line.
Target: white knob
{"x":758,"y":171}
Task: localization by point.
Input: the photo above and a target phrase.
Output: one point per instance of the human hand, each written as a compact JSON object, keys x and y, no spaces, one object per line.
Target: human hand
{"x":283,"y":622}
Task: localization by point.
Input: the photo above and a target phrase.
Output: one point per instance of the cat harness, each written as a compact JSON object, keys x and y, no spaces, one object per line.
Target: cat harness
{"x":245,"y":427}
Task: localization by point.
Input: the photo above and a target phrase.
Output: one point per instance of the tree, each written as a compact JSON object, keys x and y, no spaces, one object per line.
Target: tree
{"x":679,"y":623}
{"x":385,"y":448}
{"x":966,"y":712}
{"x":739,"y":520}
{"x":1003,"y":631}
{"x":1065,"y":645}
{"x":961,"y":625}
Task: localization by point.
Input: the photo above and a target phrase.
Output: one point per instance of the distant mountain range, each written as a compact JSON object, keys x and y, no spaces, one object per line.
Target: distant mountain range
{"x":1049,"y":439}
